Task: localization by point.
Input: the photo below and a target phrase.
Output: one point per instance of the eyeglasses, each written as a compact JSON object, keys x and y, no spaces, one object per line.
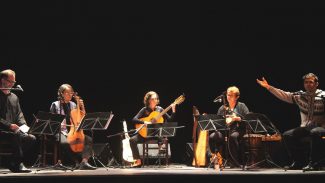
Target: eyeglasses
{"x":68,"y":93}
{"x":12,"y":82}
{"x":309,"y":82}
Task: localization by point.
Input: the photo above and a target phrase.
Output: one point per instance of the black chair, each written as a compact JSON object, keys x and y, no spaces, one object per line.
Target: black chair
{"x":160,"y":147}
{"x":5,"y":148}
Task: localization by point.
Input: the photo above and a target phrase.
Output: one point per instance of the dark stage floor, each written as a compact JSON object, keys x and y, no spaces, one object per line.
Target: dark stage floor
{"x":174,"y":173}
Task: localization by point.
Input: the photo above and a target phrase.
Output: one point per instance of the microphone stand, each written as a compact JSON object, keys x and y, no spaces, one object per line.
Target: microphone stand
{"x":8,"y":88}
{"x":227,"y":110}
{"x":59,"y":164}
{"x":13,"y":89}
{"x":222,"y":98}
{"x":227,"y":151}
{"x":112,"y":160}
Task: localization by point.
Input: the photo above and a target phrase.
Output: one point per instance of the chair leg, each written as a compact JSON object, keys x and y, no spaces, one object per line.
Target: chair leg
{"x":147,"y":153}
{"x":43,"y":151}
{"x":143,"y":153}
{"x":166,"y":154}
{"x":55,"y":152}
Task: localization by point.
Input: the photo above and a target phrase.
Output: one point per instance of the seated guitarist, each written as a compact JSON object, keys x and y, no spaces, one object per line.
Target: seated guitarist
{"x":233,"y":111}
{"x":151,"y":101}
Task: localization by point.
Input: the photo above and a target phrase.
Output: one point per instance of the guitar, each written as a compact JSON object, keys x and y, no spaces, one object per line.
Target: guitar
{"x":127,"y":151}
{"x":156,"y":117}
{"x":76,"y":137}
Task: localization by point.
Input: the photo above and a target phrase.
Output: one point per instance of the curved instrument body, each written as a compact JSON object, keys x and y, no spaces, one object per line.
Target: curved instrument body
{"x":156,"y":117}
{"x":200,"y":140}
{"x":151,"y":118}
{"x":76,"y":138}
{"x":127,"y":151}
{"x":230,"y":120}
{"x":201,"y":149}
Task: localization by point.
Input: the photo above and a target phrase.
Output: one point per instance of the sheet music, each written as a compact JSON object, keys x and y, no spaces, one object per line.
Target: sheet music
{"x":162,"y":130}
{"x":47,"y":123}
{"x":95,"y":121}
{"x":24,"y":128}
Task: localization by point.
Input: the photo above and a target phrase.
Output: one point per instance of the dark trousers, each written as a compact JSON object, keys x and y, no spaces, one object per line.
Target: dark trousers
{"x":217,"y":139}
{"x":139,"y":139}
{"x":65,"y":148}
{"x":317,"y":146}
{"x":21,"y":144}
{"x":305,"y":137}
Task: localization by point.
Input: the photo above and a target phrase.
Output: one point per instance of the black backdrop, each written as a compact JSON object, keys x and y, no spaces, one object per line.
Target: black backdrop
{"x":112,"y":53}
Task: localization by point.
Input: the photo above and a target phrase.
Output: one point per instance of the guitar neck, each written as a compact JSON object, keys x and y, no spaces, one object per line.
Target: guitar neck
{"x":163,"y":112}
{"x":179,"y":100}
{"x":78,"y":106}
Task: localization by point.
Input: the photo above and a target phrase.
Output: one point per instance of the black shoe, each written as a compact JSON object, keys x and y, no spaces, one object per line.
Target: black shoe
{"x":20,"y":168}
{"x":311,"y":167}
{"x":86,"y":166}
{"x":294,"y":166}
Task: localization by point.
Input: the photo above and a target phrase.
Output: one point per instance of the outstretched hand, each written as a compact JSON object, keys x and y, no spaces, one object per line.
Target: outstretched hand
{"x":263,"y":83}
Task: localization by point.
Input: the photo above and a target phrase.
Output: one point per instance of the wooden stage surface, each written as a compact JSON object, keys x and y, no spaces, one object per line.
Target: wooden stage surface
{"x":174,"y":173}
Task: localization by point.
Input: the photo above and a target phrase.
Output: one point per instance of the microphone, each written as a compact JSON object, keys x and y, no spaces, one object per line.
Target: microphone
{"x":19,"y":88}
{"x":220,"y":98}
{"x":217,"y":100}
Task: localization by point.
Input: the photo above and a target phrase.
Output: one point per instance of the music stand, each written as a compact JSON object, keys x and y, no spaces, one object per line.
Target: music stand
{"x":46,"y":123}
{"x":261,"y":124}
{"x":162,"y":131}
{"x":214,"y":122}
{"x":167,"y":129}
{"x":96,"y":121}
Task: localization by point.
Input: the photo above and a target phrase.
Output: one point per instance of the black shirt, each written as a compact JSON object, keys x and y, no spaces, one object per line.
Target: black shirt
{"x":145,"y":112}
{"x":239,"y":110}
{"x":10,"y":111}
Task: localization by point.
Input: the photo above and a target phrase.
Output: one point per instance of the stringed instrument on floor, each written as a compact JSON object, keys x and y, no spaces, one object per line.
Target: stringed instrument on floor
{"x":127,"y":151}
{"x":157,"y":117}
{"x":201,"y":147}
{"x":76,"y":137}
